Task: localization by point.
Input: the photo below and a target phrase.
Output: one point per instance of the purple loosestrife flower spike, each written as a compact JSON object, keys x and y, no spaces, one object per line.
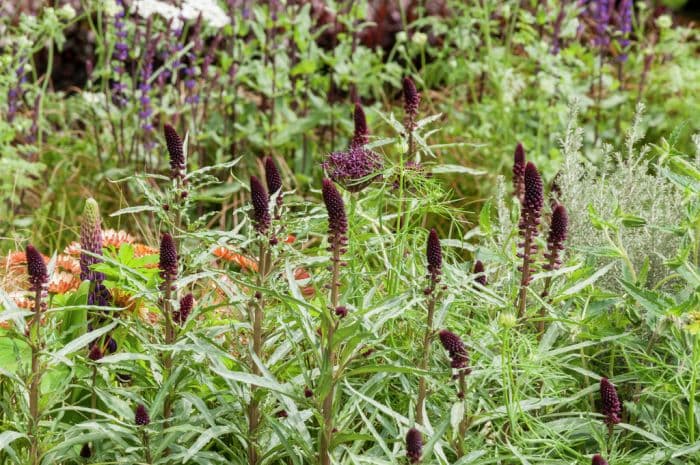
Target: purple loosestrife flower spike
{"x":141,"y":417}
{"x":186,"y":305}
{"x":479,"y":271}
{"x":176,"y":151}
{"x":434,"y":254}
{"x":598,"y":460}
{"x":610,"y":402}
{"x":455,"y":348}
{"x":414,"y":445}
{"x":411,"y":100}
{"x":337,"y":220}
{"x":261,"y":207}
{"x":360,"y":137}
{"x":36,"y":269}
{"x":557,"y":236}
{"x":519,"y":171}
{"x":168,"y":258}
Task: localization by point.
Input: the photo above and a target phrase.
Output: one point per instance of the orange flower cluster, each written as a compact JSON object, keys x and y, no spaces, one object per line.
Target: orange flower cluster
{"x":228,"y":255}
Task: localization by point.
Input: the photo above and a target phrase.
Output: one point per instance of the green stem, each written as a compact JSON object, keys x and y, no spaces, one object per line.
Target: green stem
{"x":422,"y":388}
{"x":35,"y":376}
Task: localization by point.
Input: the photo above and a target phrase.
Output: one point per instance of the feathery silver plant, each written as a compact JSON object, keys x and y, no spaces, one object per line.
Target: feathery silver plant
{"x":628,"y":183}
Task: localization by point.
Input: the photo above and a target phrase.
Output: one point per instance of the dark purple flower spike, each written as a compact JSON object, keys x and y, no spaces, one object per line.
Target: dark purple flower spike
{"x":261,"y":207}
{"x":411,"y":101}
{"x":414,"y":445}
{"x":186,"y":304}
{"x":519,"y":172}
{"x":36,"y":269}
{"x":337,"y":220}
{"x":176,"y":152}
{"x":479,"y":272}
{"x":598,"y":460}
{"x":434,"y":255}
{"x":141,"y":417}
{"x":557,"y":235}
{"x":168,"y":258}
{"x":361,"y":134}
{"x":455,"y":348}
{"x":273,"y":179}
{"x":611,"y":407}
{"x":530,"y":213}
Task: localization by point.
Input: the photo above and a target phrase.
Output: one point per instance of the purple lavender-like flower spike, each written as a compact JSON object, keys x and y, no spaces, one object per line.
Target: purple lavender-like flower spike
{"x":411,"y":101}
{"x":519,"y":171}
{"x":479,"y":272}
{"x":90,"y":241}
{"x":337,"y":220}
{"x":534,"y":196}
{"x":168,"y":258}
{"x":611,"y":407}
{"x":414,"y":445}
{"x":625,"y":27}
{"x":602,"y":19}
{"x":354,"y":169}
{"x":121,"y":53}
{"x":598,"y":460}
{"x":141,"y":417}
{"x":557,"y":235}
{"x":36,"y":269}
{"x":273,"y":179}
{"x":186,"y":304}
{"x":176,"y":151}
{"x":455,"y":348}
{"x":261,"y":208}
{"x":434,"y":255}
{"x":361,"y":134}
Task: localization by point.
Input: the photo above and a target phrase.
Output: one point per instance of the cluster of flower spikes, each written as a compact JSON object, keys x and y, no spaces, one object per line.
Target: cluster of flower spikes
{"x":456,"y":350}
{"x":611,"y":407}
{"x":355,"y":168}
{"x":414,"y":445}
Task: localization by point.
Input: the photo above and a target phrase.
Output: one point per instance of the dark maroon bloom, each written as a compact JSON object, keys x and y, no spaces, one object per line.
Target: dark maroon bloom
{"x":186,"y":305}
{"x":519,"y":171}
{"x":354,"y":169}
{"x":360,"y":136}
{"x":598,"y":460}
{"x":411,"y":100}
{"x":611,"y":406}
{"x":337,"y":220}
{"x":261,"y":207}
{"x":479,"y":272}
{"x":273,"y":178}
{"x":455,"y":348}
{"x":434,"y":254}
{"x":111,"y":345}
{"x":141,"y":417}
{"x":36,"y":268}
{"x":95,"y":353}
{"x":168,"y":258}
{"x":85,"y":451}
{"x":557,"y":236}
{"x":341,"y":311}
{"x":308,"y":392}
{"x":534,"y":197}
{"x":176,"y":151}
{"x":414,"y":445}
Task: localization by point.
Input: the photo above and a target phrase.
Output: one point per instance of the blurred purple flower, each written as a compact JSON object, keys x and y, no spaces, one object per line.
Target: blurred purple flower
{"x":625,"y":28}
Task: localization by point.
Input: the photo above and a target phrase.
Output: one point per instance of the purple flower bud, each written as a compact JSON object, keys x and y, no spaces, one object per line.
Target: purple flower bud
{"x":341,"y":311}
{"x":36,"y":269}
{"x":186,"y":305}
{"x":273,"y":178}
{"x":95,"y":353}
{"x":557,"y":231}
{"x":85,"y":451}
{"x":598,"y":460}
{"x":455,"y":347}
{"x":414,"y":445}
{"x":176,"y":151}
{"x":261,"y":208}
{"x":360,"y":137}
{"x":141,"y":417}
{"x":337,"y":220}
{"x":111,"y":345}
{"x":411,"y":100}
{"x":519,"y":171}
{"x":308,"y":392}
{"x":168,"y":258}
{"x":434,"y":254}
{"x":479,"y":272}
{"x":534,"y":197}
{"x":611,"y":406}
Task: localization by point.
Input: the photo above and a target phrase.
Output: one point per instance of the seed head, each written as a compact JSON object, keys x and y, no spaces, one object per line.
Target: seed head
{"x":414,"y":445}
{"x":337,"y":220}
{"x":273,"y":178}
{"x":434,"y":254}
{"x":168,"y":258}
{"x":534,"y":197}
{"x":261,"y":208}
{"x":36,"y":268}
{"x":611,"y":403}
{"x":186,"y":305}
{"x":141,"y":417}
{"x":176,"y":151}
{"x":360,"y":136}
{"x":598,"y":460}
{"x":479,"y":271}
{"x":455,"y":348}
{"x":411,"y":100}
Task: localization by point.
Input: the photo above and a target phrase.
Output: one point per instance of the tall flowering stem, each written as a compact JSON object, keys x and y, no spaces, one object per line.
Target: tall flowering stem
{"x":558,"y":229}
{"x":530,"y":213}
{"x":262,"y":222}
{"x":459,"y":358}
{"x":337,"y":239}
{"x":38,"y":280}
{"x":168,"y":265}
{"x":434,"y":259}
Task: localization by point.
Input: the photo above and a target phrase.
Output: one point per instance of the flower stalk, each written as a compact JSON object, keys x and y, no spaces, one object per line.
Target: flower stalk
{"x":533,"y":200}
{"x":555,"y":244}
{"x":168,"y":266}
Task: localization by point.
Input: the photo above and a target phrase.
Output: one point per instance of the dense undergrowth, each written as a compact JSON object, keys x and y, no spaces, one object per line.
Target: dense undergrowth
{"x":259,"y":238}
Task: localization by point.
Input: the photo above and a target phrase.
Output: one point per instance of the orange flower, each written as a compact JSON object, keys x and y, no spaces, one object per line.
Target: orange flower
{"x":141,"y":250}
{"x":14,"y":259}
{"x":229,"y":255}
{"x":68,"y":263}
{"x":62,"y":282}
{"x":73,"y":249}
{"x":116,"y":238}
{"x":302,"y":277}
{"x":291,"y":239}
